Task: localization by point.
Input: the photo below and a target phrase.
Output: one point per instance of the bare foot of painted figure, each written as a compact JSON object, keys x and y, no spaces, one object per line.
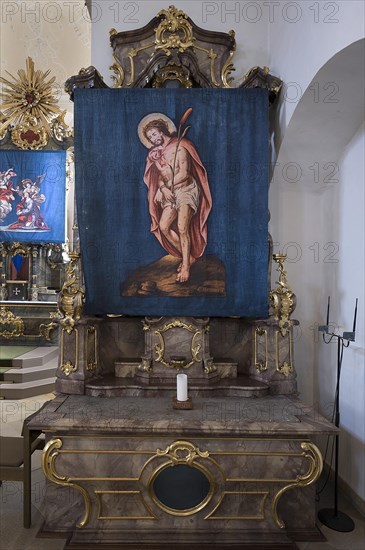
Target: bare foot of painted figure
{"x":192,"y":261}
{"x":184,"y":274}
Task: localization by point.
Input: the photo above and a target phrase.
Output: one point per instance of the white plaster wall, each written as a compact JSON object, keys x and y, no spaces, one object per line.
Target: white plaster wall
{"x":303,"y":36}
{"x":348,"y":285}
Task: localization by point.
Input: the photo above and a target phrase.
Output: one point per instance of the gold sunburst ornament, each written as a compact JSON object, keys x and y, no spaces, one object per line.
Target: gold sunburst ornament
{"x":30,"y":108}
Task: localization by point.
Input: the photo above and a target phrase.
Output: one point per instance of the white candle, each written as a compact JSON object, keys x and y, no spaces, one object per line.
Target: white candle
{"x":182,"y":387}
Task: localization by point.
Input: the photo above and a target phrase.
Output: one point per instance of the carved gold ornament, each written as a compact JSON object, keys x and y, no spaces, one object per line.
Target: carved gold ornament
{"x":174,"y":31}
{"x":9,"y":320}
{"x":282,"y":297}
{"x":30,"y":109}
{"x":172,"y":72}
{"x":182,"y":452}
{"x":72,"y":297}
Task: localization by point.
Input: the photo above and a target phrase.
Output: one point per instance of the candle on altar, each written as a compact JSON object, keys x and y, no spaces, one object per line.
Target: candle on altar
{"x":182,"y":387}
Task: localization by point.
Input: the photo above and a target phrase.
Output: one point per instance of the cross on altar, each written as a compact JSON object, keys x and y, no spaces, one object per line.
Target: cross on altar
{"x":16,"y":291}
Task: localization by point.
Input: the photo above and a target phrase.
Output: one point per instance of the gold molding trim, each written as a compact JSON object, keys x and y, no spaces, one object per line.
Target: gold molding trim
{"x":49,"y":455}
{"x":261,"y":366}
{"x":282,"y":297}
{"x":285,"y":368}
{"x":8,"y":318}
{"x":98,"y":494}
{"x":67,"y":368}
{"x":314,"y":457}
{"x":258,"y":518}
{"x":194,"y":349}
{"x":131,"y":55}
{"x":93,"y":364}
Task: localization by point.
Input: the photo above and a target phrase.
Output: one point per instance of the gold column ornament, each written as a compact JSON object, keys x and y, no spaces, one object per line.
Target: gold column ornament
{"x":72,"y":297}
{"x":282,"y":297}
{"x":30,"y":110}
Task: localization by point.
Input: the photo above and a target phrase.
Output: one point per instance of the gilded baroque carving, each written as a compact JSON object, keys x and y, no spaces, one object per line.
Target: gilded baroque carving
{"x":172,"y":72}
{"x":72,"y":296}
{"x":30,"y":109}
{"x":182,"y":452}
{"x":8,"y":320}
{"x":174,"y":31}
{"x":282,"y":297}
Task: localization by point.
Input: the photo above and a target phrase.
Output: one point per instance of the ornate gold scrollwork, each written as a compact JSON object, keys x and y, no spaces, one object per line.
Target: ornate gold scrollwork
{"x":313,"y":455}
{"x":7,"y":318}
{"x":31,"y":110}
{"x":145,"y":365}
{"x":172,"y":72}
{"x":282,"y":297}
{"x":160,"y":348}
{"x":29,"y":134}
{"x":174,"y":31}
{"x":261,"y":366}
{"x":49,"y":455}
{"x":71,"y":298}
{"x":209,"y":367}
{"x":45,"y":330}
{"x":182,"y":452}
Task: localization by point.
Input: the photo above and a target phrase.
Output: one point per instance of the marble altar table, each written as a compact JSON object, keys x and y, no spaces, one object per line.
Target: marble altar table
{"x":136,"y":473}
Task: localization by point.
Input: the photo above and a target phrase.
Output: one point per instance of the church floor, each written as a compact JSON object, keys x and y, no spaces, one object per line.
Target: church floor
{"x":14,"y":537}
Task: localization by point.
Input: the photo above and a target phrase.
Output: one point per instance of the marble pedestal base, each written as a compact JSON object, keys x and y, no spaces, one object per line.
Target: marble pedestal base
{"x":104,"y":457}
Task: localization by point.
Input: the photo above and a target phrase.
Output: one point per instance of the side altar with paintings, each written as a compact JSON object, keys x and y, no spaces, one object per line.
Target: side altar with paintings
{"x":129,"y":464}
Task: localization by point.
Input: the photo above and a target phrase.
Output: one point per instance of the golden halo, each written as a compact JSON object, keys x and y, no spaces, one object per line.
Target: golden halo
{"x":153,"y":116}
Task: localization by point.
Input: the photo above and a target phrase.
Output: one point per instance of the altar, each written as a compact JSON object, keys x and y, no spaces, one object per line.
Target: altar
{"x":129,"y":464}
{"x":134,"y":472}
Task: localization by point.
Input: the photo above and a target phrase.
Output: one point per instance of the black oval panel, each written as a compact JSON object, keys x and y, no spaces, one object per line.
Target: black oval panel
{"x":181,"y":487}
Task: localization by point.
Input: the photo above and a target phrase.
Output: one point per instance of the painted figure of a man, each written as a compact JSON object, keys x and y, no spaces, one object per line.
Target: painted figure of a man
{"x":179,"y":198}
